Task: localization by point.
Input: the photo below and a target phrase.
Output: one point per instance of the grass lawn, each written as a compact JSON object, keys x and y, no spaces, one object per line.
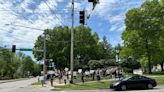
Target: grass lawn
{"x":158,"y":78}
{"x":102,"y":84}
{"x":91,"y":85}
{"x":36,"y":83}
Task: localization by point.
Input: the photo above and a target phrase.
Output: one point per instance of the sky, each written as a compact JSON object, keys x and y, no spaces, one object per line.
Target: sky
{"x":107,"y":19}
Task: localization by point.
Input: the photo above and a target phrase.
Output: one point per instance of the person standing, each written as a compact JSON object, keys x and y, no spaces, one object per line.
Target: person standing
{"x":93,"y":75}
{"x":51,"y":79}
{"x":65,"y":79}
{"x":82,"y":77}
{"x":41,"y":78}
{"x":98,"y":76}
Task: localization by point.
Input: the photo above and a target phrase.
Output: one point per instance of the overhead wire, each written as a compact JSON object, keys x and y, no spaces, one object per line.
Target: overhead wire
{"x":53,"y":12}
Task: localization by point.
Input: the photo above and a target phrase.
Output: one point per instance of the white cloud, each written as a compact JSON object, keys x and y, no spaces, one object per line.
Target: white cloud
{"x":21,"y":14}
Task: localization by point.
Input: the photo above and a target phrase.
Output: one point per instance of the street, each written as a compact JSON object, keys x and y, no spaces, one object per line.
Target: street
{"x":25,"y":86}
{"x":157,"y":89}
{"x":21,"y":86}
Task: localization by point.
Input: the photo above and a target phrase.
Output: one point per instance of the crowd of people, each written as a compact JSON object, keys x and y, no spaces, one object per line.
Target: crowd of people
{"x":64,"y":76}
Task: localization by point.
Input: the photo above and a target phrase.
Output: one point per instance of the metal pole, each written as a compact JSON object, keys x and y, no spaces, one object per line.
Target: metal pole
{"x":44,"y":56}
{"x":72,"y":43}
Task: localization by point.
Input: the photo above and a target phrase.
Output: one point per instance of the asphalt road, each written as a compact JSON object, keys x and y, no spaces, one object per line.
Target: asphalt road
{"x":21,"y":86}
{"x":156,"y":89}
{"x":25,"y":86}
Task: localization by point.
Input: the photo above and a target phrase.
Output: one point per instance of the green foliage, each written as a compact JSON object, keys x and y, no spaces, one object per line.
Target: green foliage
{"x":144,"y":32}
{"x":16,"y":65}
{"x":86,"y":45}
{"x":96,"y":64}
{"x":129,"y":64}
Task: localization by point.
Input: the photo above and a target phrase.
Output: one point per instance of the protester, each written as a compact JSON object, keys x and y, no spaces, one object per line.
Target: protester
{"x":82,"y":77}
{"x":41,"y":78}
{"x":65,"y":78}
{"x":98,"y":76}
{"x":51,"y":79}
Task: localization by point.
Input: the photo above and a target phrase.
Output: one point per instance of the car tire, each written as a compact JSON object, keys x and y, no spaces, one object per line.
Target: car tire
{"x":123,"y":87}
{"x":150,"y":86}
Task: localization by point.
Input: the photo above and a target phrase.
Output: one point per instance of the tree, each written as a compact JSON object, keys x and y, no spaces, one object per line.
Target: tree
{"x":143,"y":27}
{"x":107,"y":52}
{"x":130,"y":64}
{"x":95,"y":64}
{"x":27,"y":66}
{"x":87,"y":45}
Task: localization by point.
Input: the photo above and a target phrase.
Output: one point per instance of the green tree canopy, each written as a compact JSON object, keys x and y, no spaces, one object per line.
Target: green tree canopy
{"x":144,"y":28}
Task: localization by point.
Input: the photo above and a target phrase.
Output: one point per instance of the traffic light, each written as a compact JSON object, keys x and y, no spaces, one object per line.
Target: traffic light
{"x":82,"y":17}
{"x":90,"y":0}
{"x":94,"y":3}
{"x":13,"y":48}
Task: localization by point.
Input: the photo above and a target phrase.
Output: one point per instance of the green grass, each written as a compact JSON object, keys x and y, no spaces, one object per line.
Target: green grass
{"x":36,"y":83}
{"x":159,"y":79}
{"x":92,"y":85}
{"x":102,"y":84}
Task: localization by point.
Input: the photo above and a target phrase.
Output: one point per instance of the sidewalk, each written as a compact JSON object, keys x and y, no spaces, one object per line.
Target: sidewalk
{"x":12,"y":80}
{"x":48,"y":88}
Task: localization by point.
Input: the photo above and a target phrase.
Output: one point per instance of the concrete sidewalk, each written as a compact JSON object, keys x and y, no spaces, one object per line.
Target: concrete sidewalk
{"x":48,"y":88}
{"x":12,"y":80}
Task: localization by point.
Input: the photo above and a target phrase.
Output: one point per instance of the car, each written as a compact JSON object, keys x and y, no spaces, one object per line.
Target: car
{"x":134,"y":82}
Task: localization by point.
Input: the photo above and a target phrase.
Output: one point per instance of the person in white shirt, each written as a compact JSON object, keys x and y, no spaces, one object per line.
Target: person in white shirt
{"x":41,"y":78}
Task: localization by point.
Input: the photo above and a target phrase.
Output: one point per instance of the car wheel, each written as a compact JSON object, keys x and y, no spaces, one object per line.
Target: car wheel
{"x":150,"y":86}
{"x":123,"y":87}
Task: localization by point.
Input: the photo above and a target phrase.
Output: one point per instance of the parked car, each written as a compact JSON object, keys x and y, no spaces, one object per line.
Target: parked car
{"x":134,"y":82}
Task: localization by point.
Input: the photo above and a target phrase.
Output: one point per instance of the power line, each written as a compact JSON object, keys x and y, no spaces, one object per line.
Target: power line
{"x":53,"y":12}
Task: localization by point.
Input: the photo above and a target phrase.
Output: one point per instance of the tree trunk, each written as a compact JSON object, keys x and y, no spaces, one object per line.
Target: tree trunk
{"x":149,"y":56}
{"x":162,"y":68}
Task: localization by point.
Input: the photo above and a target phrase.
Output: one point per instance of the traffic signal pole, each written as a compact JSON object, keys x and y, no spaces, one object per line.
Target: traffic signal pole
{"x":72,"y":43}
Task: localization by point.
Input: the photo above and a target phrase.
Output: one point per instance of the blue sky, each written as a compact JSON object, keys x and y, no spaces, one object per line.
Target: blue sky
{"x":107,"y":19}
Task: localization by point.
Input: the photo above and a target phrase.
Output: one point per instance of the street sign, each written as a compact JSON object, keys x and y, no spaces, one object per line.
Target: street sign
{"x":25,"y":49}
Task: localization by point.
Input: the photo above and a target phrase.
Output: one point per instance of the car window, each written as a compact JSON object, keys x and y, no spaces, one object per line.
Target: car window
{"x":142,"y":77}
{"x":126,"y":78}
{"x":134,"y":78}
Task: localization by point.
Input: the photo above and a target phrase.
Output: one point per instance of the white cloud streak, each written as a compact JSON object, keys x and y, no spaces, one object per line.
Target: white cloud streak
{"x":22,"y":14}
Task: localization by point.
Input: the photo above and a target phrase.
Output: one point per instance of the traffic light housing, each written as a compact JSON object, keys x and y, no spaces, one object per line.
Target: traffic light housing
{"x":90,"y":0}
{"x":94,"y":3}
{"x":13,"y":48}
{"x":82,"y":17}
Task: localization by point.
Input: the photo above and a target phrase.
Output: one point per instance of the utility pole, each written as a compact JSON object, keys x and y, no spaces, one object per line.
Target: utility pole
{"x":72,"y":43}
{"x":44,"y":56}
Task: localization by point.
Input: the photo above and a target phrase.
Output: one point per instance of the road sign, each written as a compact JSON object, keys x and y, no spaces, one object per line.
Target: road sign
{"x":25,"y":49}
